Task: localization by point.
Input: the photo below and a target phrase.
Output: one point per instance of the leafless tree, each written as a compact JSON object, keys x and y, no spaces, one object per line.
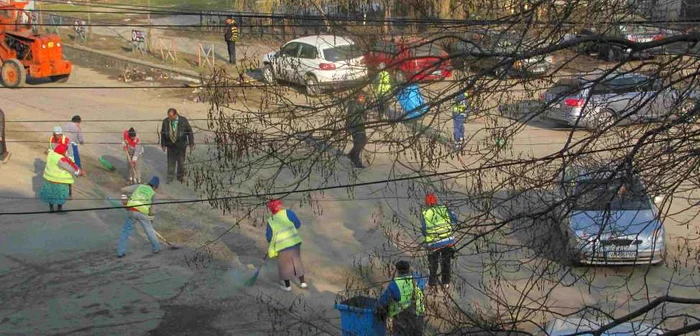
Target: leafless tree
{"x":513,"y":266}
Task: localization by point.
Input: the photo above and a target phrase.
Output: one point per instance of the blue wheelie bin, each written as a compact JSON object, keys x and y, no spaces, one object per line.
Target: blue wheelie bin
{"x":358,"y":318}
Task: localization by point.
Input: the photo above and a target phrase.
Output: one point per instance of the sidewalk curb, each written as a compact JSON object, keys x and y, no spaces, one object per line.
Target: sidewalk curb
{"x":183,"y":72}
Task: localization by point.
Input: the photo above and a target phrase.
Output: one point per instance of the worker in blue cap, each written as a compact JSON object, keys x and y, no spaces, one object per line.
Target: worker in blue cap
{"x":460,"y":111}
{"x":140,"y":209}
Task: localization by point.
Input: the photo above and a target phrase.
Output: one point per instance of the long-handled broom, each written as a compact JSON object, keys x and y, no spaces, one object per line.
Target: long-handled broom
{"x":250,"y":282}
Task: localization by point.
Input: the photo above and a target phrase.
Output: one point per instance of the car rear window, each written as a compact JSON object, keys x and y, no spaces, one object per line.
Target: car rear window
{"x":428,"y":50}
{"x":565,"y":87}
{"x":342,"y":53}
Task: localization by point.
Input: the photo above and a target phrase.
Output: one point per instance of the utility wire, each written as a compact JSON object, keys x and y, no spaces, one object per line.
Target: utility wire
{"x":555,"y":156}
{"x":336,"y":18}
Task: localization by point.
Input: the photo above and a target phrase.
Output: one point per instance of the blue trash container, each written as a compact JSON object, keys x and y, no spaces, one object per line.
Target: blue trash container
{"x":357,"y":317}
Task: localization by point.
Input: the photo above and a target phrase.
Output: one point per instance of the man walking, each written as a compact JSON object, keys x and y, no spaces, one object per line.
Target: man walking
{"x":437,"y":226}
{"x":460,"y":112}
{"x":355,"y":124}
{"x":140,"y":210}
{"x":75,"y":134}
{"x":231,"y":36}
{"x":133,"y":150}
{"x":175,"y":136}
{"x":403,"y":302}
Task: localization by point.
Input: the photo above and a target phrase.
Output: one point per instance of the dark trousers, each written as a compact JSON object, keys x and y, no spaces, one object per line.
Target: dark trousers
{"x":176,"y":158}
{"x":443,"y":258}
{"x":231,"y":52}
{"x":407,"y":323}
{"x":359,"y":140}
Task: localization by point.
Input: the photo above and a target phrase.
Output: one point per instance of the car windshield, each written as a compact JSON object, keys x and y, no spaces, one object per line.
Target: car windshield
{"x":602,"y":195}
{"x":342,"y":53}
{"x":428,"y":50}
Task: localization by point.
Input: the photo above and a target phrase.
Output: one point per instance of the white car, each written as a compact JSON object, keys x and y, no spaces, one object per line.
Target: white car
{"x":317,"y":62}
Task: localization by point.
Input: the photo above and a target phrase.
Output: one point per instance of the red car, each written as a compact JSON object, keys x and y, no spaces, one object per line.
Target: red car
{"x":410,"y":59}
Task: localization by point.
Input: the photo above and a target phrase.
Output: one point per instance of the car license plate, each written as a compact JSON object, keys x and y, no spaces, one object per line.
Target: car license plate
{"x":622,"y":255}
{"x":556,"y":106}
{"x":437,"y":73}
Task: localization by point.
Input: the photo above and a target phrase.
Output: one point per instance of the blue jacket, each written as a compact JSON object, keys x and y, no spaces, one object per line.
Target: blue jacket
{"x":440,"y":244}
{"x":392,"y":292}
{"x":412,"y":102}
{"x":292,"y":217}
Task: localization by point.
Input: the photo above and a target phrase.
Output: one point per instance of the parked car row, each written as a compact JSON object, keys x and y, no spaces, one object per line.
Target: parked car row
{"x":493,"y":50}
{"x":327,"y":61}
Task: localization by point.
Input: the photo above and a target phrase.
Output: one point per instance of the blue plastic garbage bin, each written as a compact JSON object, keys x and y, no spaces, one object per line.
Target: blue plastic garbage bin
{"x":357,"y":317}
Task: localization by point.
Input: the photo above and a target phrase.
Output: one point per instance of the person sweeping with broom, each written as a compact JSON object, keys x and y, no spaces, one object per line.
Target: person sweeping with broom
{"x":140,"y":210}
{"x":285,"y":244}
{"x":133,"y":150}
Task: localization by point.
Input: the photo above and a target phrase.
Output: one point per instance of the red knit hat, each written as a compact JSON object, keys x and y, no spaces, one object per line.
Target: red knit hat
{"x":274,"y":205}
{"x":61,"y":149}
{"x":430,"y":199}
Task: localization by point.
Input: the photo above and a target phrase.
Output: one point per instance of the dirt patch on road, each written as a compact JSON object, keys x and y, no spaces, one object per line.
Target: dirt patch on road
{"x":187,"y":320}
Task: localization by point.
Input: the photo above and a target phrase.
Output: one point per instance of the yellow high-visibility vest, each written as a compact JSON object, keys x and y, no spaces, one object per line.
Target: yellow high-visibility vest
{"x":284,"y":234}
{"x":384,"y":85}
{"x":437,"y":223}
{"x":410,"y":294}
{"x":142,"y":198}
{"x":54,"y":173}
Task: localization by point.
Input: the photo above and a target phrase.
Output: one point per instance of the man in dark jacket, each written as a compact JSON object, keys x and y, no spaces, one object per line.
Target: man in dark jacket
{"x":231,"y":36}
{"x":356,"y":120}
{"x":175,"y":135}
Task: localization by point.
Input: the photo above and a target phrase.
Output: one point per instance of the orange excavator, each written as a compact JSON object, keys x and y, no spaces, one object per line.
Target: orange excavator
{"x":23,"y":52}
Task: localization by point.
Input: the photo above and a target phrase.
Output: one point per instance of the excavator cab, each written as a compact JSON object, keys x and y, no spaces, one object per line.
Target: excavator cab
{"x":24,"y":52}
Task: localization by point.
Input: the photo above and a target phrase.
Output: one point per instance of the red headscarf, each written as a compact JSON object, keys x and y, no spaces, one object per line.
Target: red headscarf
{"x":131,"y":143}
{"x":61,"y":149}
{"x":274,"y":205}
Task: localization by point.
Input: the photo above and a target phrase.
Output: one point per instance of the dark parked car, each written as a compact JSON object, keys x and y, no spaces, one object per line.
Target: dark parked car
{"x":632,"y":32}
{"x":476,"y":53}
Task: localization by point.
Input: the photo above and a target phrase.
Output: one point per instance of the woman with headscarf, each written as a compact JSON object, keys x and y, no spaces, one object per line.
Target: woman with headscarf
{"x":285,"y":244}
{"x":58,"y":176}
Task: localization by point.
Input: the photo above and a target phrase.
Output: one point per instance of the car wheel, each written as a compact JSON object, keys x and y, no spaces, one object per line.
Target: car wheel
{"x":312,"y":87}
{"x":603,"y":119}
{"x":269,"y":74}
{"x":686,"y":106}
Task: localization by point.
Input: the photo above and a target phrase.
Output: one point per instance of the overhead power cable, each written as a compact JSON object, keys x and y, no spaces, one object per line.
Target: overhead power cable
{"x":555,"y":156}
{"x":343,"y":18}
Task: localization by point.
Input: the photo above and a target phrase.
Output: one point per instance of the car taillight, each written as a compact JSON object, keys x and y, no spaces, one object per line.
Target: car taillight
{"x":326,"y":66}
{"x":571,"y":102}
{"x":658,"y":37}
{"x":632,"y":38}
